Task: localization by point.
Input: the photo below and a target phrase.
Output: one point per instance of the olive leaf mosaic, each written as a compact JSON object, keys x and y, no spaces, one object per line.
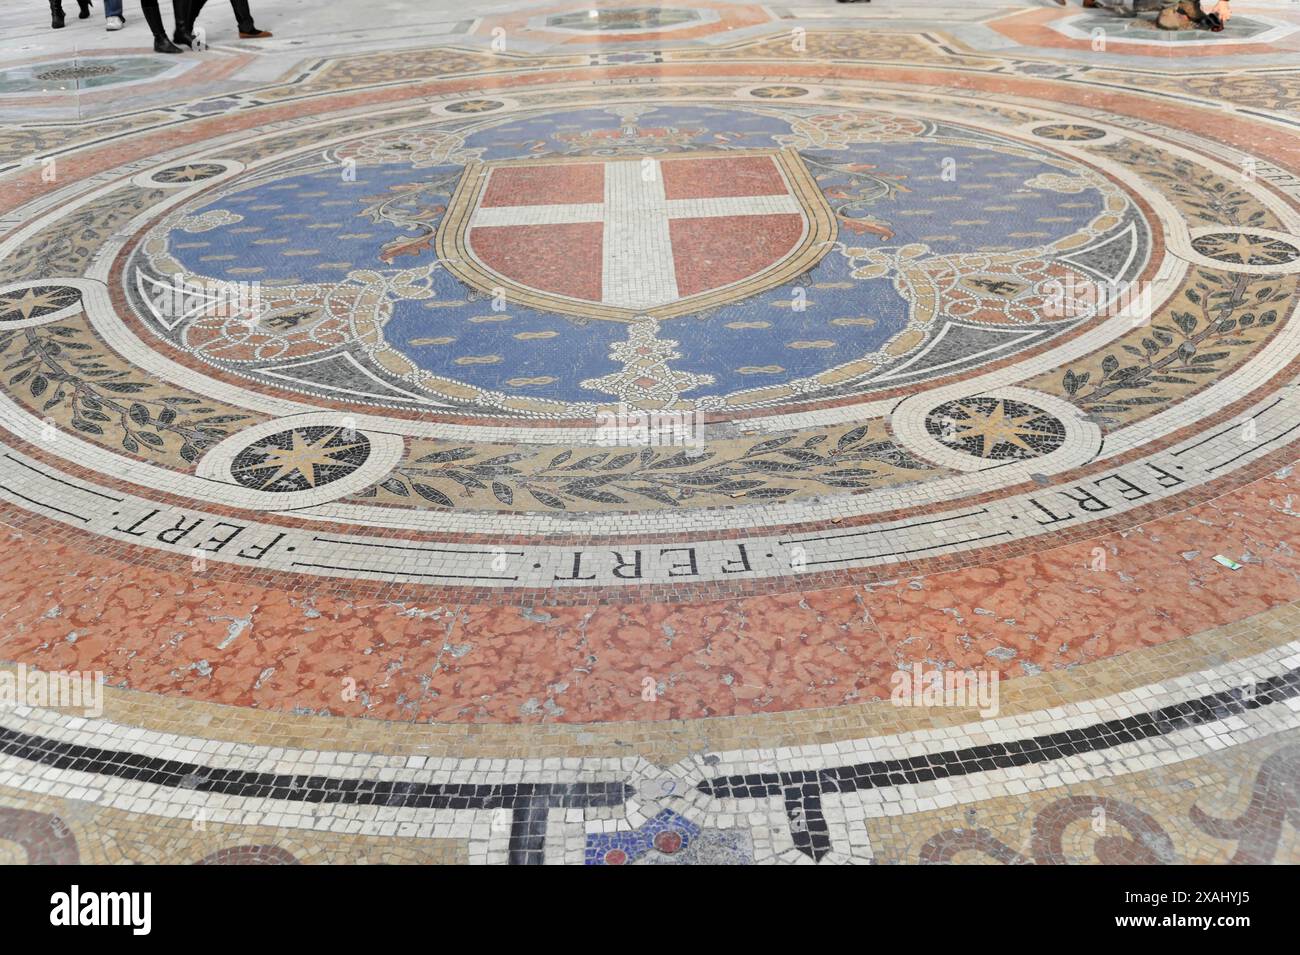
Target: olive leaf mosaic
{"x":544,"y":478}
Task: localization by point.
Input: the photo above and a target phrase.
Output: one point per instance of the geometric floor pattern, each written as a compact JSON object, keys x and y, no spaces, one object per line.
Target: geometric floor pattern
{"x":714,"y":434}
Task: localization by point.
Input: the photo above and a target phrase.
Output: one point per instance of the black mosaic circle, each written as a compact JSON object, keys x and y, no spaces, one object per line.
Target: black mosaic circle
{"x":1069,"y":132}
{"x":36,"y":302}
{"x":997,"y":429}
{"x":300,"y":459}
{"x":1240,"y":248}
{"x":779,"y":92}
{"x":190,"y":172}
{"x":475,"y":106}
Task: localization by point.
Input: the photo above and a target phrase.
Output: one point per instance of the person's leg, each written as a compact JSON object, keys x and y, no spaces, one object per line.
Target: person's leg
{"x":152,"y":17}
{"x":184,"y":31}
{"x":85,"y":9}
{"x":194,"y":7}
{"x":244,"y":17}
{"x":56,"y":14}
{"x":112,"y":8}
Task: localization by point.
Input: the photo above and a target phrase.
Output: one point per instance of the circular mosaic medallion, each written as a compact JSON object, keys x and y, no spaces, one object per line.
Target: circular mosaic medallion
{"x":597,"y":342}
{"x":188,"y":173}
{"x":294,"y":462}
{"x":1069,"y":132}
{"x":35,"y":304}
{"x":300,"y":459}
{"x":779,"y":92}
{"x":432,"y":277}
{"x":735,"y":445}
{"x":472,"y":106}
{"x":1244,"y":249}
{"x":996,"y":429}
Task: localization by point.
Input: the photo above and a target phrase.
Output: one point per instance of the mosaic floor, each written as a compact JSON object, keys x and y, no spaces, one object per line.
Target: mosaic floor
{"x":643,"y":434}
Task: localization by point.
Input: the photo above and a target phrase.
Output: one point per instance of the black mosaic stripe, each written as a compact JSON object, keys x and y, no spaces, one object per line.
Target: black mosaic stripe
{"x":529,"y":803}
{"x":802,"y":790}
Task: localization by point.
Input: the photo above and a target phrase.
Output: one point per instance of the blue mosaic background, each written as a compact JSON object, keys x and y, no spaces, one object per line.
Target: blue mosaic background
{"x":307,"y":227}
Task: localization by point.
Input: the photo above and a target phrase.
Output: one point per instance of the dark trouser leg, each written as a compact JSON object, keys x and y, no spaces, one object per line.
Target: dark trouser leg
{"x":181,"y":17}
{"x":193,"y":7}
{"x":243,"y":16}
{"x":153,"y":18}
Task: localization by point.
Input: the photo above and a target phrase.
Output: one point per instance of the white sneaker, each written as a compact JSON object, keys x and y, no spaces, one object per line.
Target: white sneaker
{"x":114,"y":23}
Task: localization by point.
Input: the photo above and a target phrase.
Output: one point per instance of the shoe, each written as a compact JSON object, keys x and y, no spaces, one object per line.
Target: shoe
{"x":114,"y":23}
{"x":85,"y":9}
{"x":56,"y":15}
{"x":255,"y":35}
{"x":181,"y":38}
{"x":163,"y":45}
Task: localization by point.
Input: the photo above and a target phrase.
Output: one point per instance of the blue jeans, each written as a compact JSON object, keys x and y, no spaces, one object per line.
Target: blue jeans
{"x":112,"y":8}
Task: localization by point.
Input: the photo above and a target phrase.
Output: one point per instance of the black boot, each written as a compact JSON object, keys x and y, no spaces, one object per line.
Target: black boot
{"x":181,"y":13}
{"x":152,"y":17}
{"x":56,"y":14}
{"x":183,"y":35}
{"x":85,"y":9}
